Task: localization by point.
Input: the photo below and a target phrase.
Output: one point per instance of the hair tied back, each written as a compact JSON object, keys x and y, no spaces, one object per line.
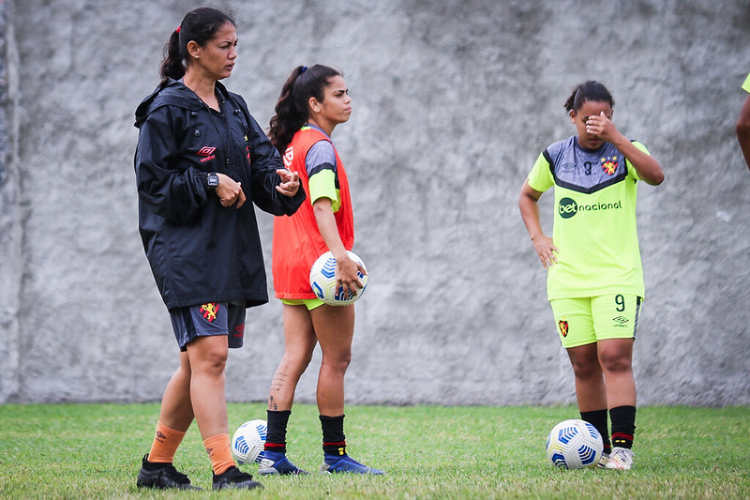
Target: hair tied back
{"x":304,"y":68}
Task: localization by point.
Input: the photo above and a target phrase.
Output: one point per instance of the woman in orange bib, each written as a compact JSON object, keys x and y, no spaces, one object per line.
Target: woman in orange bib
{"x":313,"y":102}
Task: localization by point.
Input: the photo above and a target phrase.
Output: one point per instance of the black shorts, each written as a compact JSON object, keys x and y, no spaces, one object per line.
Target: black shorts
{"x":212,"y":318}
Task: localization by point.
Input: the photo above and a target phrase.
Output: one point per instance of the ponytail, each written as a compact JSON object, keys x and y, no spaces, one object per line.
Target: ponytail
{"x":172,"y":66}
{"x":292,"y":110}
{"x":287,"y":120}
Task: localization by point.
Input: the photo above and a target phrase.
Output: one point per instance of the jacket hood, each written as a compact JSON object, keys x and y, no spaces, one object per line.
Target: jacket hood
{"x":171,"y":93}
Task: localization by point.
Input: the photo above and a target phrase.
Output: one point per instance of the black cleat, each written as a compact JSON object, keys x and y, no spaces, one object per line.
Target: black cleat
{"x":236,"y":479}
{"x":162,"y":476}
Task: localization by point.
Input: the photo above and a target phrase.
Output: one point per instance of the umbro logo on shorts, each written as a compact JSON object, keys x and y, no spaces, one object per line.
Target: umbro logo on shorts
{"x":620,"y":320}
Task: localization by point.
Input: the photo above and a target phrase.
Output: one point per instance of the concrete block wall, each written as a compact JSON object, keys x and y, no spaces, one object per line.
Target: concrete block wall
{"x":453,"y":100}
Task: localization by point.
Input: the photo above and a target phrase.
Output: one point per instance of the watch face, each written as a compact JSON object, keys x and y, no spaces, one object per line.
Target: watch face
{"x":213,"y":180}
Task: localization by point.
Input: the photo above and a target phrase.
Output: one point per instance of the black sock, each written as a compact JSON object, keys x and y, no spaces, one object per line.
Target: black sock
{"x":334,"y":441}
{"x":598,"y":418}
{"x":623,"y":426}
{"x":276,"y":434}
{"x":153,"y":465}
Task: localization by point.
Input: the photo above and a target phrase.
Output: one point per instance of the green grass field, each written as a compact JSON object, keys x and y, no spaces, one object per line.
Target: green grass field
{"x":94,"y":451}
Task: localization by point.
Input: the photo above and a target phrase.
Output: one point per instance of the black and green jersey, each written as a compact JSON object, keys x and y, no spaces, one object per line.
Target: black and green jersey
{"x":594,"y":224}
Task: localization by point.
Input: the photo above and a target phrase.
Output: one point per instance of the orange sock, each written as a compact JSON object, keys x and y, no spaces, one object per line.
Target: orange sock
{"x":165,"y":444}
{"x":219,"y":452}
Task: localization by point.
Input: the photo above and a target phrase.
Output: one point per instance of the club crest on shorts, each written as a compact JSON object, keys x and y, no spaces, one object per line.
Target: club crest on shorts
{"x":209,"y":311}
{"x":563,"y":326}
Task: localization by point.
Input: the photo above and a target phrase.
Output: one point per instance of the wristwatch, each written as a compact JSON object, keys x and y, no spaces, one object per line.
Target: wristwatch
{"x":212,"y":180}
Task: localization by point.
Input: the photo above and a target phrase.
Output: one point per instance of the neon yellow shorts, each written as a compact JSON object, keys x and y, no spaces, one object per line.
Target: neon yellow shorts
{"x":309,"y":303}
{"x":585,"y":320}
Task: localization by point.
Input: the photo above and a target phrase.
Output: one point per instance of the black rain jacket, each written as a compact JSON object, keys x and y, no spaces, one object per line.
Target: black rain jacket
{"x":198,"y":250}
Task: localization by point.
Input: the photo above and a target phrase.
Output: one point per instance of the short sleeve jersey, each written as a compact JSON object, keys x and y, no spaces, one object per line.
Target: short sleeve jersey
{"x":746,"y":85}
{"x":594,"y":223}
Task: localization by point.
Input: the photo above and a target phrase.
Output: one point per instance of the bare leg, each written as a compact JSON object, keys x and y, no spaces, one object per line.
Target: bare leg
{"x":590,"y":389}
{"x":616,"y":359}
{"x":334,"y":327}
{"x":176,"y":407}
{"x":208,"y":357}
{"x":299,"y":343}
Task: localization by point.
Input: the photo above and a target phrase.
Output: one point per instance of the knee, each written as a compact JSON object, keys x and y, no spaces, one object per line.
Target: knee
{"x":301,"y":359}
{"x":340,"y":362}
{"x":296,"y":362}
{"x":616,"y":363}
{"x":213,"y":362}
{"x":586,"y":370}
{"x":585,"y":364}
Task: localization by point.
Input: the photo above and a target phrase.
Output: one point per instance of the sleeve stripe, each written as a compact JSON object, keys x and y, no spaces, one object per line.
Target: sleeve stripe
{"x":320,"y":167}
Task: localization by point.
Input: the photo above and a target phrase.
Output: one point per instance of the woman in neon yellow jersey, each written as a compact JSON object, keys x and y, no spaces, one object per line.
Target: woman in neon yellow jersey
{"x":595,"y":278}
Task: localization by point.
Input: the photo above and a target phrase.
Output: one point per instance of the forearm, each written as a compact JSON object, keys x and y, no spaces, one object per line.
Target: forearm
{"x":744,"y":140}
{"x":169,"y":184}
{"x":647,"y":167}
{"x":543,"y":245}
{"x":529,"y":208}
{"x":328,"y":227}
{"x":175,"y":195}
{"x":743,"y":130}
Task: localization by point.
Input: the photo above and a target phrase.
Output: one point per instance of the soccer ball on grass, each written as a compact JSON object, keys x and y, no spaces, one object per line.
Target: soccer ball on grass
{"x":323,"y":281}
{"x":248,"y":441}
{"x":574,"y":444}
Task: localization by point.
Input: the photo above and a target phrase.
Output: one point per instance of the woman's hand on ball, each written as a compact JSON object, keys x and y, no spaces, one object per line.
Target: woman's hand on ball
{"x":347,"y":274}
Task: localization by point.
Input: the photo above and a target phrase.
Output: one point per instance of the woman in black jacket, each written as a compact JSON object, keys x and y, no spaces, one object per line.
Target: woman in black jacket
{"x":200,"y":158}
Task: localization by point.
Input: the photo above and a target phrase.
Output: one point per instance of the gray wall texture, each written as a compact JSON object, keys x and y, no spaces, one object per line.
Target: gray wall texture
{"x":453,"y":102}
